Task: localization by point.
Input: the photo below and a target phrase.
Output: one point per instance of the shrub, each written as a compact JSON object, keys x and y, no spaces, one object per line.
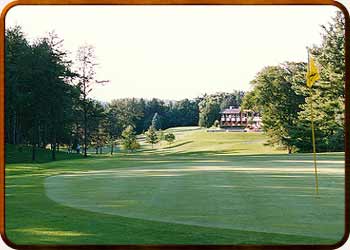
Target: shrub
{"x":169,"y":137}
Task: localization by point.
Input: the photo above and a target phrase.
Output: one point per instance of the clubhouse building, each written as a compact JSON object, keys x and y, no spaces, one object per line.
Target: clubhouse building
{"x":238,"y":118}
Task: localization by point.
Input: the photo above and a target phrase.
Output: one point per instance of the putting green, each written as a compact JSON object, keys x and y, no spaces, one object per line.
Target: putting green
{"x":277,"y":196}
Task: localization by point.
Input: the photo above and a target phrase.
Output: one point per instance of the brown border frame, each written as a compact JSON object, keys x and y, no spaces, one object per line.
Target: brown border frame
{"x":174,"y":2}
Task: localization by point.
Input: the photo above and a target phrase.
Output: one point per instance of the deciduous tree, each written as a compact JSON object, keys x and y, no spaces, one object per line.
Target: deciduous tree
{"x":86,"y":71}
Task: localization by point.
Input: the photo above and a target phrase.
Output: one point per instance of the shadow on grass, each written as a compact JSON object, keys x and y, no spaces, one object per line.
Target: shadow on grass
{"x":178,"y":145}
{"x":178,"y":130}
{"x":23,"y":154}
{"x":149,"y":156}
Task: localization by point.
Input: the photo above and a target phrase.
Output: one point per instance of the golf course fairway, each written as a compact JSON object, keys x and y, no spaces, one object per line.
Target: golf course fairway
{"x":205,"y":188}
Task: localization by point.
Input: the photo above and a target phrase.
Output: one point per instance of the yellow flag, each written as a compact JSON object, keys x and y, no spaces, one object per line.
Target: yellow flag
{"x":312,"y":74}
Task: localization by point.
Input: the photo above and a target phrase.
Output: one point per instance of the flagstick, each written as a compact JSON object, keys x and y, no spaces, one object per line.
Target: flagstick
{"x":314,"y":144}
{"x":313,"y":129}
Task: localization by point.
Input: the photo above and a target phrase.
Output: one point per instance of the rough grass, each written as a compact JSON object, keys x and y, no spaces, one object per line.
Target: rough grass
{"x":205,"y":188}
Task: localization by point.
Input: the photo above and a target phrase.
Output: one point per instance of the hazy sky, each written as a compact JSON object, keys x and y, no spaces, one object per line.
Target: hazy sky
{"x":175,"y":52}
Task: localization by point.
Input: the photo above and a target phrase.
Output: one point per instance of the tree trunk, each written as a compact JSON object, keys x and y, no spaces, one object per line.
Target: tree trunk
{"x":19,"y":135}
{"x":44,"y":137}
{"x":14,"y":128}
{"x":96,"y":150}
{"x":53,"y":145}
{"x":33,"y":139}
{"x":53,"y":151}
{"x":112,"y":148}
{"x":33,"y":152}
{"x":85,"y":128}
{"x":100,"y":150}
{"x":33,"y":148}
{"x":39,"y":137}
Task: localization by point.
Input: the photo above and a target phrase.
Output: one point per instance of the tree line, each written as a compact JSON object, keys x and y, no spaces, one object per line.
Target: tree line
{"x":281,"y":95}
{"x":47,"y":102}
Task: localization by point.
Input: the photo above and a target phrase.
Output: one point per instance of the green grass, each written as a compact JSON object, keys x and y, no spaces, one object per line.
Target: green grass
{"x":205,"y":188}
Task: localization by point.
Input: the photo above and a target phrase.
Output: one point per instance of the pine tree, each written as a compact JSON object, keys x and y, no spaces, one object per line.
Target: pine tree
{"x":151,"y":136}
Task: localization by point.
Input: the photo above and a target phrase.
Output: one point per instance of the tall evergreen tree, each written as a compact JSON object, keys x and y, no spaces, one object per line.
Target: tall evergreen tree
{"x":18,"y":80}
{"x":151,"y":136}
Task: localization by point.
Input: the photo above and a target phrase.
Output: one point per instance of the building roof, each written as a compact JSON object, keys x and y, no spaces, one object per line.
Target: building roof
{"x":232,"y":110}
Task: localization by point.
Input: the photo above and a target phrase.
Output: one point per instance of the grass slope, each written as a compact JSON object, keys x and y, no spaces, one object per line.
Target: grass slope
{"x":206,"y":188}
